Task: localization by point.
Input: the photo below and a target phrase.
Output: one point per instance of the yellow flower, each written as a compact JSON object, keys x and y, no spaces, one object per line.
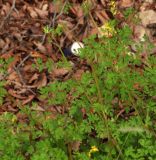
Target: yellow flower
{"x":113,"y":7}
{"x":14,"y":119}
{"x":92,"y":150}
{"x":106,"y":30}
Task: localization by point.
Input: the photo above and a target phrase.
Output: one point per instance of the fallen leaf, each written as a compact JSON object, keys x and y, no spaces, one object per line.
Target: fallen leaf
{"x":126,"y":3}
{"x":75,"y":145}
{"x":18,"y":36}
{"x":78,"y":74}
{"x":29,"y":99}
{"x":147,"y":17}
{"x":77,"y":10}
{"x":5,"y":9}
{"x":67,"y":28}
{"x":2,"y":43}
{"x":28,"y":67}
{"x":139,"y":32}
{"x":32,"y":13}
{"x":42,"y":81}
{"x":33,"y":78}
{"x":38,"y":108}
{"x":16,"y":60}
{"x":55,"y":7}
{"x":60,"y":72}
{"x":102,"y":15}
{"x":13,"y":76}
{"x":41,"y":13}
{"x":45,"y":7}
{"x":35,"y":54}
{"x":14,"y":94}
{"x":40,"y":47}
{"x":22,"y":117}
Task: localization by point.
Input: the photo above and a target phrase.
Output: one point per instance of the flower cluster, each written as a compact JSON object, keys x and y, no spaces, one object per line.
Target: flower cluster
{"x":106,"y":30}
{"x":92,"y":150}
{"x":113,"y":7}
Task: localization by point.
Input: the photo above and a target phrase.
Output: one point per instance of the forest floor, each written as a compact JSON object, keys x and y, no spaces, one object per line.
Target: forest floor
{"x":33,"y":34}
{"x":22,"y":37}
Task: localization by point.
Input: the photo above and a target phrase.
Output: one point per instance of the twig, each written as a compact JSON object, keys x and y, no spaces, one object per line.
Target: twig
{"x":7,"y":16}
{"x":23,"y":60}
{"x":19,"y":75}
{"x":22,"y":79}
{"x":61,"y":10}
{"x":16,"y":67}
{"x":52,"y":22}
{"x":71,"y":31}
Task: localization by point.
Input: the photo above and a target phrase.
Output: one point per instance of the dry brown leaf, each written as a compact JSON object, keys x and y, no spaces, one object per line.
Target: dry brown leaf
{"x":41,"y":13}
{"x":21,"y":90}
{"x":7,"y":55}
{"x":22,"y":117}
{"x":103,"y":2}
{"x":6,"y":46}
{"x":38,"y":55}
{"x":104,"y":15}
{"x":34,"y":77}
{"x":68,"y":29}
{"x":18,"y":36}
{"x":77,"y":10}
{"x":32,"y":13}
{"x":42,"y":81}
{"x":29,"y":99}
{"x":5,"y":9}
{"x":2,"y":43}
{"x":40,"y":47}
{"x":38,"y":108}
{"x":16,"y":84}
{"x":60,"y":72}
{"x":126,"y":3}
{"x":102,"y":19}
{"x":139,"y":32}
{"x":18,"y":14}
{"x":16,"y":60}
{"x":147,"y":17}
{"x":11,"y":108}
{"x":14,"y":94}
{"x":55,"y":7}
{"x":49,"y":48}
{"x":93,"y":31}
{"x":75,"y":145}
{"x":13,"y":76}
{"x":78,"y":74}
{"x":45,"y":7}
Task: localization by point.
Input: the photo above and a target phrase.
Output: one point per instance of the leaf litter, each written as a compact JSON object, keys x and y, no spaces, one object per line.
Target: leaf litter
{"x":22,"y":37}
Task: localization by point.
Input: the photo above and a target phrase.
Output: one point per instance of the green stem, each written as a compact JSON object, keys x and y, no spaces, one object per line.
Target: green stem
{"x":97,"y":83}
{"x":103,"y":114}
{"x":69,"y":152}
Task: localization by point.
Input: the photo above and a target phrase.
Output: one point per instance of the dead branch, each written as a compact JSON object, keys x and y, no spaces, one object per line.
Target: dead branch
{"x":8,"y":15}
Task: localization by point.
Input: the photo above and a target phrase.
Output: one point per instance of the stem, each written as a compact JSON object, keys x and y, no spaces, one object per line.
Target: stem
{"x":97,"y":83}
{"x":110,"y":137}
{"x":64,"y":58}
{"x":93,"y":21}
{"x":69,"y":152}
